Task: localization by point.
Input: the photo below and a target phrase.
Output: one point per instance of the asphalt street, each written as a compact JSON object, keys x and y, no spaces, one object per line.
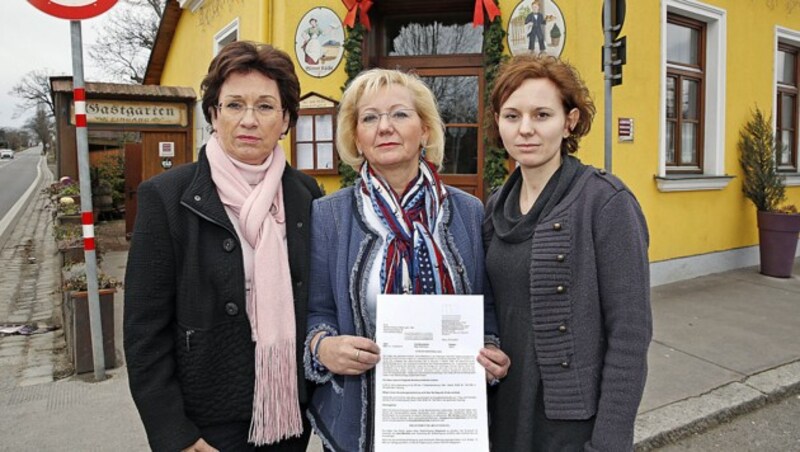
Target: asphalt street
{"x":773,"y":427}
{"x":16,"y":176}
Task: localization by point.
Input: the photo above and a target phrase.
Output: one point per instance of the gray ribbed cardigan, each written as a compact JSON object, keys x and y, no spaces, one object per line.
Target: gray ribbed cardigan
{"x":590,"y":300}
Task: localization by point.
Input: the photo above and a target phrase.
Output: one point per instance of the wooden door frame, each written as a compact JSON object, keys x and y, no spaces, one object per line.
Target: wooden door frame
{"x":464,"y":179}
{"x":133,"y":177}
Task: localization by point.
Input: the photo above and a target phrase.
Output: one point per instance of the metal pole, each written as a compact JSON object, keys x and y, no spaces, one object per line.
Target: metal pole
{"x":87,"y":220}
{"x":607,"y":69}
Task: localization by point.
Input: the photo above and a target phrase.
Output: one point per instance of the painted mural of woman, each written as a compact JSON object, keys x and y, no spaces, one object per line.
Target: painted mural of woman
{"x":312,"y":47}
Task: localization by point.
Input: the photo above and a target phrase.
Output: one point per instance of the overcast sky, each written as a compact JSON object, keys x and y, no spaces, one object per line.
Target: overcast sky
{"x":32,"y":40}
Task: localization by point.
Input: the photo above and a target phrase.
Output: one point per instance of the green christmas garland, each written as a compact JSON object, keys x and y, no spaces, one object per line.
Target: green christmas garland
{"x":494,"y":163}
{"x":494,"y":169}
{"x":353,"y":66}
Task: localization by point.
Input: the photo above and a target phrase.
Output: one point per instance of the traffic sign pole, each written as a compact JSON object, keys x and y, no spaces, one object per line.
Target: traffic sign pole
{"x":75,"y":10}
{"x":609,"y":74}
{"x":87,"y":220}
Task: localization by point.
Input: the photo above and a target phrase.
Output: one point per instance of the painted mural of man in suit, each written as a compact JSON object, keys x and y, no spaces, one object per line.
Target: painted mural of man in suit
{"x":537,"y":22}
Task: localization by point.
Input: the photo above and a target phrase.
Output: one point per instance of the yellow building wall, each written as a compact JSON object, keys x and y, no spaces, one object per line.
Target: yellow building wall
{"x":681,"y":223}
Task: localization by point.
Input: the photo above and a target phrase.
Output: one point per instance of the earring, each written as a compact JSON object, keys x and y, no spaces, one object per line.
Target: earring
{"x":359,"y":152}
{"x":423,"y":152}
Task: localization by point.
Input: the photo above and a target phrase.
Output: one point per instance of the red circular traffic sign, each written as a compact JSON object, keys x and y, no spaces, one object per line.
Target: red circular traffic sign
{"x":73,"y":9}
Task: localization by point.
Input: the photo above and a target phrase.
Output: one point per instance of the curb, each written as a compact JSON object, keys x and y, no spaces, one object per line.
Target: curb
{"x":677,"y":420}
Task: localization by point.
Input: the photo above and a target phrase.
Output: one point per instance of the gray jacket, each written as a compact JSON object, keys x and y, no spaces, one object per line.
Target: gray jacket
{"x":590,"y":297}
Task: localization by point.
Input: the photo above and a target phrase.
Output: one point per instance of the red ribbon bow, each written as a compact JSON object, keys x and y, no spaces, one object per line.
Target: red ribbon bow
{"x":491,"y":9}
{"x":360,"y":6}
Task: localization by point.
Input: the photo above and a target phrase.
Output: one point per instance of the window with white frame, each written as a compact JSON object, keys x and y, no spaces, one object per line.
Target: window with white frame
{"x":787,"y":102}
{"x":229,"y":34}
{"x":314,"y":136}
{"x":692,"y":145}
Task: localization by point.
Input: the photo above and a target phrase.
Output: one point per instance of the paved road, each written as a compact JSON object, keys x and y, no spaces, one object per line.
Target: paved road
{"x":773,"y":427}
{"x":16,"y":176}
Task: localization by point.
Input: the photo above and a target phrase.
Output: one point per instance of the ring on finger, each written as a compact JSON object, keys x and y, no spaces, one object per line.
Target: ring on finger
{"x":358,"y":352}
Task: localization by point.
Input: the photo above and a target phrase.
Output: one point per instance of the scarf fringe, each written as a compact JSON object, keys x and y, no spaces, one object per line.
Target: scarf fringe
{"x":276,"y":411}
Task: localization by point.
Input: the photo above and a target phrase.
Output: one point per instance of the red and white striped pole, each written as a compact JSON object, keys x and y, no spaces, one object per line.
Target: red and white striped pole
{"x":87,"y":220}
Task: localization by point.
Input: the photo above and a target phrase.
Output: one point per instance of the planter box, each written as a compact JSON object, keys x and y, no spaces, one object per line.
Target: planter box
{"x":777,"y":242}
{"x":69,"y":219}
{"x":72,"y":255}
{"x":78,"y":333}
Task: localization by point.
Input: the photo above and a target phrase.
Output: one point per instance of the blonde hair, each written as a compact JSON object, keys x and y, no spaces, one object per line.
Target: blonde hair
{"x":367,"y":84}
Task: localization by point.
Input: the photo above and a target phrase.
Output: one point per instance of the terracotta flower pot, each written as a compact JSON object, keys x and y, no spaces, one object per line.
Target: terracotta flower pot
{"x":777,"y":242}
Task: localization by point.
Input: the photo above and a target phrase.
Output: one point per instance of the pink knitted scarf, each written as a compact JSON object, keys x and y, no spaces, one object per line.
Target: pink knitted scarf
{"x":270,"y":306}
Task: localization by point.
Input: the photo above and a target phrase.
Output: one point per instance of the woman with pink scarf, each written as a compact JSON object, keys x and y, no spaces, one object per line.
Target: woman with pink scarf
{"x":216,"y":283}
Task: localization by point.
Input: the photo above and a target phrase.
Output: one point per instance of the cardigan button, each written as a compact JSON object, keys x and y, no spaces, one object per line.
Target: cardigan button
{"x":565,"y":364}
{"x":198,"y":198}
{"x":560,"y":258}
{"x":562,"y":328}
{"x":561,"y":289}
{"x":231,"y":309}
{"x":228,"y":244}
{"x":460,"y":269}
{"x":299,"y":284}
{"x":299,"y":224}
{"x":556,"y":226}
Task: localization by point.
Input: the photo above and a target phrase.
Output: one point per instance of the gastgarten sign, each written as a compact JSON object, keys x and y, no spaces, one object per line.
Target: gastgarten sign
{"x":142,"y":113}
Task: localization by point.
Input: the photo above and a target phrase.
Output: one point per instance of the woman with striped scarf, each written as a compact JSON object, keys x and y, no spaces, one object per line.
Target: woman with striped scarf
{"x":398,"y":230}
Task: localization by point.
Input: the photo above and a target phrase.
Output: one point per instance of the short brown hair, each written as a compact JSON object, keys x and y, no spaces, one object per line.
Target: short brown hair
{"x":367,"y":84}
{"x":573,"y":90}
{"x":244,"y":57}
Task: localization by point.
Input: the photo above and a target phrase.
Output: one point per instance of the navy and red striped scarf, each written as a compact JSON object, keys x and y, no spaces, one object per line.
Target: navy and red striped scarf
{"x":413,"y":263}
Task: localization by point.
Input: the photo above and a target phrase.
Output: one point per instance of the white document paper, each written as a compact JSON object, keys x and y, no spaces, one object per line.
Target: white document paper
{"x":430,"y":390}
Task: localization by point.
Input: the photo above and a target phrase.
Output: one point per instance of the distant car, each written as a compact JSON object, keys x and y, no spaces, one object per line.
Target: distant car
{"x":6,"y":154}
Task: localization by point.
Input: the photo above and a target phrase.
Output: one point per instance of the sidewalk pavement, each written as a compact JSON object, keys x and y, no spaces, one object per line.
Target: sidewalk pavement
{"x":724,"y":344}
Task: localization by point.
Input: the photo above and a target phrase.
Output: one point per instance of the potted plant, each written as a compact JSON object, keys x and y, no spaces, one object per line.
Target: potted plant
{"x":555,"y":36}
{"x":76,"y":317}
{"x":69,"y":242}
{"x":778,"y":226}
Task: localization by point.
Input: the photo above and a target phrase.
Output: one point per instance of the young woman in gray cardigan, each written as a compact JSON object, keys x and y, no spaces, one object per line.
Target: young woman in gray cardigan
{"x":575,"y":318}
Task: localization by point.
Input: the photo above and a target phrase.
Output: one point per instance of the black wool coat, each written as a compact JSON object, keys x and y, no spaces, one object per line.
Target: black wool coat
{"x":187,"y":337}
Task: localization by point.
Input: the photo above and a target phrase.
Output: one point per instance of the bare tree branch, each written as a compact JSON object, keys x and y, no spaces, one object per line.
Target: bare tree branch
{"x":126,"y":39}
{"x":42,"y":127}
{"x":34,"y":90}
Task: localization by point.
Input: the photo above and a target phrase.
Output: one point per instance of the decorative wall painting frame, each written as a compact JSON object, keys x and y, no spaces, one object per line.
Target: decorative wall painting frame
{"x":536,"y":26}
{"x":319,"y":42}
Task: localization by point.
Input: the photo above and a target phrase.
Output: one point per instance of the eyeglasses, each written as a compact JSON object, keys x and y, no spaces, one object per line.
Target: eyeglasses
{"x":236,"y":110}
{"x":397,"y":117}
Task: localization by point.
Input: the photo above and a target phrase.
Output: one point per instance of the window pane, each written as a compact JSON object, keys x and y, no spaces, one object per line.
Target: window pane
{"x":324,"y":125}
{"x":688,"y":144}
{"x":304,"y":129}
{"x":689,"y":108}
{"x":786,"y":68}
{"x":457,"y":98}
{"x":324,"y":155}
{"x":442,"y":34}
{"x":682,"y":43}
{"x":787,"y":111}
{"x":671,"y":97}
{"x":305,"y":156}
{"x":670,"y":143}
{"x":461,"y":151}
{"x":785,"y":148}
